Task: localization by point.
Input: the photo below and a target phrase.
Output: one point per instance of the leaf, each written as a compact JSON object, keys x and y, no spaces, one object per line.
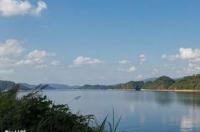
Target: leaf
{"x":101,"y":129}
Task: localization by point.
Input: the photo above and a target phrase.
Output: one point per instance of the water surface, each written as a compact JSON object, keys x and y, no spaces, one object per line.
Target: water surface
{"x":140,"y":111}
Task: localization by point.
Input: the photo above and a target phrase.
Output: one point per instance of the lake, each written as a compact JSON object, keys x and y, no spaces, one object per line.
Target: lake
{"x":140,"y":111}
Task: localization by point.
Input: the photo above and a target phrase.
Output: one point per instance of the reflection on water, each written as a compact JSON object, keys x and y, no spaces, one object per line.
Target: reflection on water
{"x":140,"y":111}
{"x":191,"y":120}
{"x":164,"y":98}
{"x":192,"y":99}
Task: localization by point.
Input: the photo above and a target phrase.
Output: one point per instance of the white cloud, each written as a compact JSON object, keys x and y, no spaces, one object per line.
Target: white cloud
{"x":41,"y":6}
{"x":193,"y":58}
{"x":7,"y":62}
{"x":10,"y":47}
{"x":35,"y":57}
{"x":80,"y":60}
{"x":189,"y":54}
{"x":142,"y":58}
{"x":21,"y":7}
{"x":55,"y":63}
{"x":184,"y":54}
{"x":10,"y":50}
{"x":170,"y":57}
{"x":139,"y":77}
{"x":194,"y":66}
{"x":12,"y":56}
{"x":124,"y":62}
{"x":131,"y":69}
{"x":6,"y":71}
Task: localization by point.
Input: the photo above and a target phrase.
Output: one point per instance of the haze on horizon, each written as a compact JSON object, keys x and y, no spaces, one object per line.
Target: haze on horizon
{"x":98,"y":42}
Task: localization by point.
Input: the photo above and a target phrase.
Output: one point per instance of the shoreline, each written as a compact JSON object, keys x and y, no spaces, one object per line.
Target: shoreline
{"x":172,"y":90}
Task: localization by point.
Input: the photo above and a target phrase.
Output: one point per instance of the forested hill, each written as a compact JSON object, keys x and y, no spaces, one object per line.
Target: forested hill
{"x":189,"y":82}
{"x":161,"y":83}
{"x":135,"y":85}
{"x":165,"y":83}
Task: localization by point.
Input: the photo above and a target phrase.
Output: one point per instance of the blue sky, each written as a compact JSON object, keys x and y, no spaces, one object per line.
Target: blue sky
{"x":98,"y":41}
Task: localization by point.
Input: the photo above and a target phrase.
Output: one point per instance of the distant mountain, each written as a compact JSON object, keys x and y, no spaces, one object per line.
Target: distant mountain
{"x":136,"y":85}
{"x":50,"y":87}
{"x":93,"y":87}
{"x":189,"y":82}
{"x":162,"y":82}
{"x":62,"y":86}
{"x":149,"y":79}
{"x":25,"y":86}
{"x":4,"y":85}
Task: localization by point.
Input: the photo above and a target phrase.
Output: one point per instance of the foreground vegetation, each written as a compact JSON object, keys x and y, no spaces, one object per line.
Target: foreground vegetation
{"x":35,"y":113}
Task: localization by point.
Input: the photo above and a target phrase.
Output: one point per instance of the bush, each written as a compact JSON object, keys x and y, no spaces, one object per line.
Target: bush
{"x":35,"y":113}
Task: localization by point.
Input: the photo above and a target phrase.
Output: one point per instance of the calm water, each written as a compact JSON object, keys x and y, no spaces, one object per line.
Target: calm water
{"x":140,"y":111}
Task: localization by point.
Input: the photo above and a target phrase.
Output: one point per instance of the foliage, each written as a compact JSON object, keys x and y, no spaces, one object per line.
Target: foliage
{"x":163,"y":82}
{"x":36,"y":113}
{"x":112,"y":126}
{"x":137,"y":85}
{"x":189,"y":82}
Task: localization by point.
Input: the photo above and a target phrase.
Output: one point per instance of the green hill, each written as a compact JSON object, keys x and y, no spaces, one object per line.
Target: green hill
{"x":189,"y":82}
{"x":163,"y":82}
{"x":137,"y":85}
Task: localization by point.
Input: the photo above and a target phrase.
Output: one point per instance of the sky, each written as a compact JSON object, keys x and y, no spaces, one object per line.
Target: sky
{"x":98,"y":41}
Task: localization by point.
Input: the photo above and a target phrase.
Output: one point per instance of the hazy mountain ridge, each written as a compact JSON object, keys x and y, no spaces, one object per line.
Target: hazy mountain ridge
{"x":161,"y":83}
{"x":5,"y":85}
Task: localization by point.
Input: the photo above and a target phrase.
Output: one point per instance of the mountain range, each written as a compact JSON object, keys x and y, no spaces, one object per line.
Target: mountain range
{"x":160,"y":83}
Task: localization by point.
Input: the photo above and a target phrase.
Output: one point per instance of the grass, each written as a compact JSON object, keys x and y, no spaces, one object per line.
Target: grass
{"x":112,"y":126}
{"x":36,"y":113}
